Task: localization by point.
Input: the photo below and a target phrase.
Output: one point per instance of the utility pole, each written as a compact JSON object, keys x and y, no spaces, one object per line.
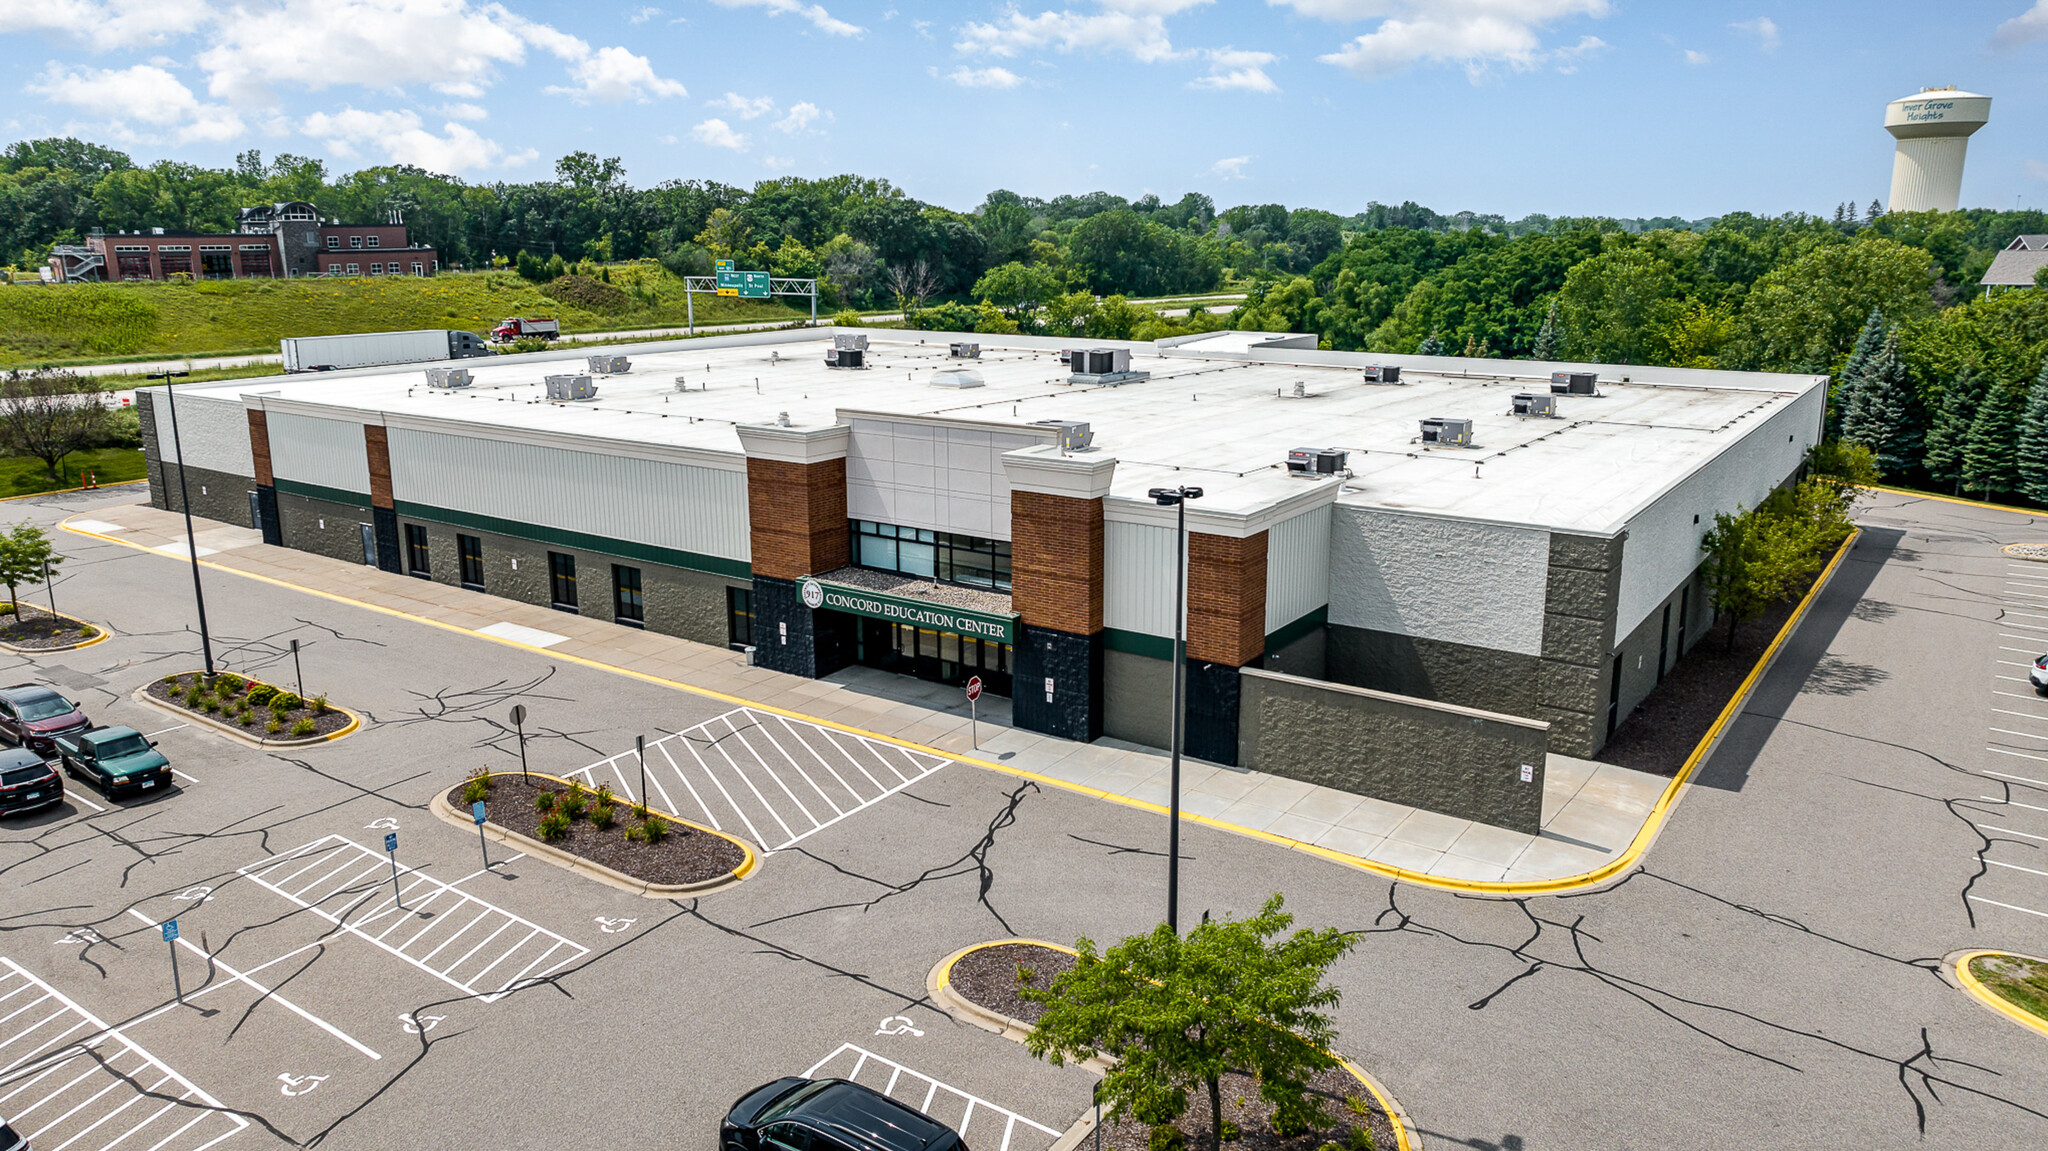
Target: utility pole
{"x":185,"y":502}
{"x":1176,"y":498}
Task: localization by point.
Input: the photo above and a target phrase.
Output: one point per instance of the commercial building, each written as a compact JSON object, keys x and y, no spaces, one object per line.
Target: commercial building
{"x":271,"y":241}
{"x":1415,"y":606}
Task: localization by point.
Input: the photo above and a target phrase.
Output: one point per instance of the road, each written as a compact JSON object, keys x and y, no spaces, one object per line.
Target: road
{"x":1769,"y":976}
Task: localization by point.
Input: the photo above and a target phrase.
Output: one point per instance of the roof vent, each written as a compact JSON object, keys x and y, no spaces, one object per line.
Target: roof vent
{"x":448,"y":377}
{"x":782,"y":419}
{"x":1447,"y":432}
{"x":1387,"y":374}
{"x":1573,"y":383}
{"x":855,"y":343}
{"x":577,"y":387}
{"x":964,"y":351}
{"x":1074,"y":435}
{"x":610,"y":365}
{"x":1534,"y":404}
{"x":956,"y":378}
{"x":1314,"y":463}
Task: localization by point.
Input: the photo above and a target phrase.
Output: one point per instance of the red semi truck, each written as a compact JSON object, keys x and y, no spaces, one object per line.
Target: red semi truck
{"x":518,"y":328}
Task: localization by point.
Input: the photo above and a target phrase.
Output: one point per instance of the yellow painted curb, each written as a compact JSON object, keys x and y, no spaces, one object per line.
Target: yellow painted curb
{"x":2013,"y":508}
{"x":62,"y":491}
{"x":105,"y":633}
{"x":1993,"y":999}
{"x":141,"y":695}
{"x":941,"y":982}
{"x":1641,"y":843}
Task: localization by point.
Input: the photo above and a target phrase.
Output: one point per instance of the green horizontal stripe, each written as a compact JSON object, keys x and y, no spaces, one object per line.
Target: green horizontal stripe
{"x":1137,"y":643}
{"x":1313,"y":621}
{"x":317,"y":492}
{"x":690,"y":561}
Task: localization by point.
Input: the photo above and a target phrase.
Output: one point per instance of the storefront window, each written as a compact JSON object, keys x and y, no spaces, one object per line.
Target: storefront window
{"x":947,"y":556}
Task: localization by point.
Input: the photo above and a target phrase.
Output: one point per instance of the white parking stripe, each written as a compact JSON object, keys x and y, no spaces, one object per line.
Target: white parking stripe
{"x":946,"y":1104}
{"x":2011,"y":803}
{"x":2016,"y":867}
{"x":2010,"y":831}
{"x":2008,"y":906}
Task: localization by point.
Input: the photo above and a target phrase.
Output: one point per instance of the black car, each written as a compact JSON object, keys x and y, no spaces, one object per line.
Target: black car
{"x":33,"y":716}
{"x":27,"y":784}
{"x":9,"y":1141}
{"x":797,"y":1114}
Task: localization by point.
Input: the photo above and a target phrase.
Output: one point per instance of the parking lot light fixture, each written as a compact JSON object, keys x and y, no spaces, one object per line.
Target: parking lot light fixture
{"x":1177,"y":499}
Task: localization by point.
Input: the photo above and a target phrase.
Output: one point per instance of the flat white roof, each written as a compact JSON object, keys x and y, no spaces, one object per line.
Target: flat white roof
{"x":1224,"y":422}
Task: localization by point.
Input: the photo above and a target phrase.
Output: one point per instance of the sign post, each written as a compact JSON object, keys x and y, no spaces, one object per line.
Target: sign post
{"x":476,"y":812}
{"x":973,"y":719}
{"x":298,"y":675}
{"x":171,"y":938}
{"x":391,"y":850}
{"x":519,"y":725}
{"x":640,"y":749}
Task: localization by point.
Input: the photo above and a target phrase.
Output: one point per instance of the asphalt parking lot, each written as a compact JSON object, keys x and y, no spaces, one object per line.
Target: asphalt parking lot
{"x":1769,"y":977}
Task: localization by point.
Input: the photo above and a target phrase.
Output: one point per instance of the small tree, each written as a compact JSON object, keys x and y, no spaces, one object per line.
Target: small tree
{"x":23,"y":554}
{"x":48,"y":414}
{"x":1849,"y":384}
{"x":1989,"y":449}
{"x":1950,"y":428}
{"x":1884,"y":413}
{"x":1176,"y":1013}
{"x":2033,"y":443}
{"x":1549,"y":342}
{"x":1747,"y":567}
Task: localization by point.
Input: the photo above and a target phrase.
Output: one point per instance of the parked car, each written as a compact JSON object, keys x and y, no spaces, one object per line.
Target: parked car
{"x":798,"y":1114}
{"x":2038,"y":675}
{"x":27,"y":784}
{"x":9,"y":1141}
{"x":114,"y":759}
{"x":32,"y":716}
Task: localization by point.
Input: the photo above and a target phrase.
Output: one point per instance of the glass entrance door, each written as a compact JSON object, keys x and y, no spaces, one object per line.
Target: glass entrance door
{"x":939,"y":656}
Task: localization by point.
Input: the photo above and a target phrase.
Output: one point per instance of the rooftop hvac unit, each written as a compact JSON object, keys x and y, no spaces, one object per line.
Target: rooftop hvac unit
{"x":577,"y":387}
{"x":1313,"y":462}
{"x":965,"y":351}
{"x":1572,"y":383}
{"x":610,"y":365}
{"x":855,"y":343}
{"x":448,"y":377}
{"x":1389,"y":374}
{"x":1446,"y":432}
{"x":1073,"y":434}
{"x":1535,"y":404}
{"x":844,"y":357}
{"x":1101,"y":362}
{"x":1066,"y":357}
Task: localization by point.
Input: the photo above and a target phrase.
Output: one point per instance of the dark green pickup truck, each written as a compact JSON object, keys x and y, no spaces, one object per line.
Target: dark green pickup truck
{"x":115,"y":759}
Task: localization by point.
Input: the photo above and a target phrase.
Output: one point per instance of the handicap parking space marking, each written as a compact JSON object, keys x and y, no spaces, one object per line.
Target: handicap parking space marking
{"x":614,"y":926}
{"x":898,"y":1025}
{"x":472,"y":945}
{"x":949,"y":1105}
{"x":69,"y":1082}
{"x":296,"y":1085}
{"x":775,"y":779}
{"x":385,"y":824}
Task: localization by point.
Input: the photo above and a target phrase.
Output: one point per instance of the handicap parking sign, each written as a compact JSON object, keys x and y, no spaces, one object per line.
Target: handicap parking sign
{"x":391,"y":841}
{"x":170,"y":931}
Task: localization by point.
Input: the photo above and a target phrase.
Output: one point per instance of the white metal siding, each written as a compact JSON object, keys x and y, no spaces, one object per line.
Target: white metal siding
{"x":213,"y":429}
{"x":693,"y":509}
{"x":1663,"y":545}
{"x":331,"y":453}
{"x":935,"y":477}
{"x":1297,"y":567}
{"x":1436,"y":578}
{"x":1137,"y":578}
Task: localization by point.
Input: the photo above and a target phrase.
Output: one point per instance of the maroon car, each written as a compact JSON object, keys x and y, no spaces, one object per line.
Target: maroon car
{"x":32,"y":715}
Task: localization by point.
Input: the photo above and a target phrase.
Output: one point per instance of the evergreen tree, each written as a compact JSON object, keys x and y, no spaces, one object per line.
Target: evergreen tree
{"x":1884,"y":413}
{"x":1431,"y":346}
{"x":1876,"y":210}
{"x":1849,"y":385}
{"x":1548,"y":342}
{"x":1989,"y":450}
{"x":2033,"y":442}
{"x":1950,"y":428}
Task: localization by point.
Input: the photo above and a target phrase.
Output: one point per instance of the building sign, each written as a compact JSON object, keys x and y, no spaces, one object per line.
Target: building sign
{"x":917,"y":613}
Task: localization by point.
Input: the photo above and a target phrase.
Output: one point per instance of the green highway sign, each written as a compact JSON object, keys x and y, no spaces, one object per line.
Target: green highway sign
{"x":752,"y":285}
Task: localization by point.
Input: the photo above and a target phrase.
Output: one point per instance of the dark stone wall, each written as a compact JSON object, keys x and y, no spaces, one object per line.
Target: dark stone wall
{"x":273,"y":530}
{"x":220,"y":496}
{"x":1456,"y":761}
{"x":1074,"y":664}
{"x":322,"y":527}
{"x":1307,"y":656}
{"x":1638,"y":650}
{"x":791,"y":638}
{"x":1212,"y":712}
{"x":1136,"y":695}
{"x":1572,"y":675}
{"x":385,"y":521}
{"x":1432,"y":669}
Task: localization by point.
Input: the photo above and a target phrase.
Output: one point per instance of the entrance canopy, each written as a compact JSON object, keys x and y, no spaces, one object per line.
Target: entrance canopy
{"x":979,"y":621}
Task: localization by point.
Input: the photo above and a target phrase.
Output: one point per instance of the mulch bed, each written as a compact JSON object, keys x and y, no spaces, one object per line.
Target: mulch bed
{"x":324,"y":723}
{"x":1662,"y":730}
{"x":38,"y":629}
{"x":685,"y":856}
{"x":988,"y":978}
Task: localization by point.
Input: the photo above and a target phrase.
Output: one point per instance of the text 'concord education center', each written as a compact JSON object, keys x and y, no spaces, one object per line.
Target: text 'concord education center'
{"x":1407,"y":576}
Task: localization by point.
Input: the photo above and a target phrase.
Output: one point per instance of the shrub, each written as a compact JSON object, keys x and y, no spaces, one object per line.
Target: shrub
{"x":572,"y":802}
{"x":653,"y":829}
{"x":544,"y":802}
{"x":246,"y":718}
{"x":476,"y":787}
{"x":1025,"y":974}
{"x":87,"y":631}
{"x":846,"y":318}
{"x":274,"y":726}
{"x":1231,"y":1132}
{"x":589,"y":294}
{"x":302,"y":728}
{"x":553,"y":828}
{"x":229,"y":683}
{"x":1166,"y":1137}
{"x":171,"y":679}
{"x":208,"y":704}
{"x":603,"y":795}
{"x":319,"y":704}
{"x":261,"y":693}
{"x":286,"y":701}
{"x":602,"y":815}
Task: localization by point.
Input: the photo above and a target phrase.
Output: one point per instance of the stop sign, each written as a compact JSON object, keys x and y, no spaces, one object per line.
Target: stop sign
{"x":973,"y":688}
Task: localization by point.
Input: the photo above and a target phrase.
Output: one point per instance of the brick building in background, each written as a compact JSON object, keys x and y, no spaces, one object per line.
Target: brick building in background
{"x":271,"y":241}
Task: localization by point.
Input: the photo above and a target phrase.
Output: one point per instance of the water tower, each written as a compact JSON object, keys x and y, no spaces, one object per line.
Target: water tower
{"x":1933,"y":129}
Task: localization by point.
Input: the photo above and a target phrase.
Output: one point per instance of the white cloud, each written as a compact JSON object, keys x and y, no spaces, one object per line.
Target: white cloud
{"x":1695,"y":58}
{"x":1136,"y":27}
{"x":319,"y":44}
{"x":103,"y":24}
{"x":820,"y":19}
{"x":801,"y":116}
{"x":2024,"y":28}
{"x":745,"y":108}
{"x":143,"y":94}
{"x":643,"y":15}
{"x":781,"y":163}
{"x":1765,"y":29}
{"x":1234,"y":70}
{"x":1475,"y":34}
{"x":1230,"y":169}
{"x":616,"y":76}
{"x":982,"y":77}
{"x":718,"y":134}
{"x":464,"y":111}
{"x":399,"y":137}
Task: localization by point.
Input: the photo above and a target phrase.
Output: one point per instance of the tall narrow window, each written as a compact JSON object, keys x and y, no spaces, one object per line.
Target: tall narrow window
{"x":416,"y":551}
{"x":627,"y":605}
{"x":739,"y":616}
{"x":470,"y":550}
{"x":562,"y":581}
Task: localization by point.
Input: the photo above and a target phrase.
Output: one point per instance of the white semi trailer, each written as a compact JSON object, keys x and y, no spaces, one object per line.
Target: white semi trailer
{"x":371,"y":349}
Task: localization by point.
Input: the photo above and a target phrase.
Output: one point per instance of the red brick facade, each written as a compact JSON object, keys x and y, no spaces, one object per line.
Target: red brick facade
{"x":1056,"y":561}
{"x":1226,"y":598}
{"x":259,"y":446}
{"x":377,"y":443}
{"x":798,"y":514}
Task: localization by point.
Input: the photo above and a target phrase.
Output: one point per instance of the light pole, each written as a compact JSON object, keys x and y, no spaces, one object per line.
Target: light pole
{"x":185,"y":501}
{"x":1177,"y":499}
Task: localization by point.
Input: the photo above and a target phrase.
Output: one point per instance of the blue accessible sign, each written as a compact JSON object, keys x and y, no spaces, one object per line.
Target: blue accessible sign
{"x":170,"y":931}
{"x":391,"y":841}
{"x":476,"y":811}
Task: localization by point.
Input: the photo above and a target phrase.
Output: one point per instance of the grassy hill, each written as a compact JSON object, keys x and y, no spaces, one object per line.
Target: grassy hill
{"x":79,"y":322}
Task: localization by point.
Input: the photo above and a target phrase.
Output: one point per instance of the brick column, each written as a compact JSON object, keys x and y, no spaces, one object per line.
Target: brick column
{"x":796,"y":514}
{"x":1226,"y":631}
{"x":1056,"y":588}
{"x":266,"y":483}
{"x":383,"y":509}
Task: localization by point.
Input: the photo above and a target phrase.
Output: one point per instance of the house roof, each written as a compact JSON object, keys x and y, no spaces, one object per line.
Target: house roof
{"x":2016,"y":266}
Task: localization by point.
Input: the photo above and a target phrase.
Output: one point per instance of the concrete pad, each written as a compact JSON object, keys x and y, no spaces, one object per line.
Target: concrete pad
{"x":1277,"y":793}
{"x":1429,"y":829}
{"x":1566,"y":773}
{"x":1375,"y":817}
{"x":100,"y":526}
{"x":1549,"y":859}
{"x":1326,"y":805}
{"x":1407,"y":856}
{"x":1495,"y":845}
{"x":1599,"y":826}
{"x":1460,"y":867}
{"x":1299,"y":827}
{"x":1230,"y":785}
{"x":1624,"y":789}
{"x":1250,"y":815}
{"x":1151,"y":791}
{"x":1202,"y":803}
{"x":520,"y":633}
{"x":1350,"y":842}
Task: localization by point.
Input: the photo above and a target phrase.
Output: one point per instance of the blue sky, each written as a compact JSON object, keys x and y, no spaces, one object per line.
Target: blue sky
{"x":1560,"y":106}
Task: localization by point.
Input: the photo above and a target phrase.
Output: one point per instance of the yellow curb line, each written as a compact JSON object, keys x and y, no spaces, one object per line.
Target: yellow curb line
{"x":1633,"y":852}
{"x":354,"y":721}
{"x":1993,"y":999}
{"x":943,"y":981}
{"x":105,"y":633}
{"x":2014,"y":509}
{"x":62,"y":491}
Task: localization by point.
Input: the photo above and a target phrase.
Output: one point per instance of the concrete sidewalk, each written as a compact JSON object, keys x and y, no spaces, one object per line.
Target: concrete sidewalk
{"x":1592,"y":812}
